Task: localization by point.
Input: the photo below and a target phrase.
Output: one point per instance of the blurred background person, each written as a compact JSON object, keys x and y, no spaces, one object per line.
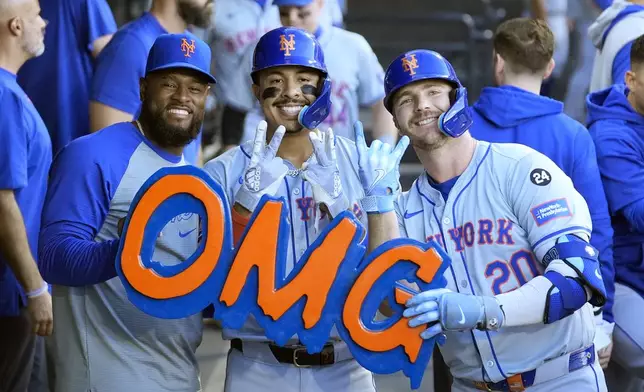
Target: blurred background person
{"x":25,"y":158}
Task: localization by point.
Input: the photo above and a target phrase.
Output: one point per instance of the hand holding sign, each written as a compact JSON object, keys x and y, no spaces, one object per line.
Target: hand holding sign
{"x":265,"y":170}
{"x":323,"y":175}
{"x":378,"y":169}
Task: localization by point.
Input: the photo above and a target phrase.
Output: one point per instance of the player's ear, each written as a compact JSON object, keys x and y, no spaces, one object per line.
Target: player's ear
{"x":256,"y":91}
{"x":549,"y":68}
{"x":16,"y":26}
{"x":629,"y":79}
{"x":143,"y":84}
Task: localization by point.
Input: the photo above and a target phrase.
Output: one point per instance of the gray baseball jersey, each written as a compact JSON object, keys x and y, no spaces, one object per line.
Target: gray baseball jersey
{"x":237,"y":26}
{"x":501,"y":216}
{"x":228,"y":170}
{"x":102,"y":341}
{"x":357,"y":79}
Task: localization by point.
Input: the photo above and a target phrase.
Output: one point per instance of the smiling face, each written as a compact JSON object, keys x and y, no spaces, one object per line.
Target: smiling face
{"x":283,"y":92}
{"x":173,"y":106}
{"x":416,"y":108}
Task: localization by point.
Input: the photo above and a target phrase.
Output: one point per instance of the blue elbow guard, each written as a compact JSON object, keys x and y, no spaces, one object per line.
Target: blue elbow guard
{"x":583,"y":258}
{"x":565,"y":297}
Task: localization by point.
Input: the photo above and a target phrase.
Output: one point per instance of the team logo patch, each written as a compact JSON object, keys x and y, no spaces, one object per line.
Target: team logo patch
{"x":554,"y":209}
{"x":286,"y":45}
{"x":409,"y":64}
{"x":187,"y":48}
{"x":540,"y":177}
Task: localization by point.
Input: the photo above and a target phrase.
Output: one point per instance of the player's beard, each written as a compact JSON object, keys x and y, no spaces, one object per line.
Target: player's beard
{"x":33,"y":42}
{"x":193,"y":14}
{"x":166,"y":135}
{"x":429,"y":145}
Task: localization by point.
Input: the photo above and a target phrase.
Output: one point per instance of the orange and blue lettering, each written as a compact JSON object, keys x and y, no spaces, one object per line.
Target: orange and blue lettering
{"x":252,"y":279}
{"x":504,"y":233}
{"x":306,"y":205}
{"x":391,"y":345}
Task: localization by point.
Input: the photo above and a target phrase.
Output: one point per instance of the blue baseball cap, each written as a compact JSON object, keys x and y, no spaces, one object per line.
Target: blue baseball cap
{"x":292,"y":3}
{"x":180,"y":51}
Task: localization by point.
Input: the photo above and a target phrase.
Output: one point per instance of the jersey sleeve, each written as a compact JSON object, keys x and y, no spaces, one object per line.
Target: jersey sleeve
{"x":545,"y":202}
{"x":621,"y":64}
{"x":76,"y":205}
{"x":100,"y":21}
{"x":13,"y":145}
{"x":371,"y":76}
{"x":119,"y":68}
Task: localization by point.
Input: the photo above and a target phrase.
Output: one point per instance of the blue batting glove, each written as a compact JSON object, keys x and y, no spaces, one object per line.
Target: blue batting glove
{"x":454,"y":311}
{"x":324,"y":175}
{"x":379,"y":171}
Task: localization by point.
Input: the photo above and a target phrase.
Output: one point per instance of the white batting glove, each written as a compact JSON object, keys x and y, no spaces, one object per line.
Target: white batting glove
{"x":265,"y":170}
{"x":379,"y":171}
{"x":324,"y":175}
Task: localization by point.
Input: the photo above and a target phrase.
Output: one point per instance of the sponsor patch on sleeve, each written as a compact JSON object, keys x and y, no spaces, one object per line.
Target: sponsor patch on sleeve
{"x":553,"y":209}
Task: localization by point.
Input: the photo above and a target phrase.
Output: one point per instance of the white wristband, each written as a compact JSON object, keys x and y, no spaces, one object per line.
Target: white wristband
{"x":38,"y":292}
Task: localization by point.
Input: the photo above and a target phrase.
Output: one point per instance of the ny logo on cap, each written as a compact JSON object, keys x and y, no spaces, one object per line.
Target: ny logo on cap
{"x":287,"y":45}
{"x":409,"y":64}
{"x":187,"y":48}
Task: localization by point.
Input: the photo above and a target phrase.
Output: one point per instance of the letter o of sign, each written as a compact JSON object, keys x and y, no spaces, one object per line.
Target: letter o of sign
{"x":145,"y":280}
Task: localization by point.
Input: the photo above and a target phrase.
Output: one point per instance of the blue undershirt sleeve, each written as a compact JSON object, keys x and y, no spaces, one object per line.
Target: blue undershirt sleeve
{"x":76,"y":205}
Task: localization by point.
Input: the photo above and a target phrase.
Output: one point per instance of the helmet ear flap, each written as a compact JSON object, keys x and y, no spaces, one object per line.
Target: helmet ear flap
{"x":311,"y":116}
{"x":458,"y":119}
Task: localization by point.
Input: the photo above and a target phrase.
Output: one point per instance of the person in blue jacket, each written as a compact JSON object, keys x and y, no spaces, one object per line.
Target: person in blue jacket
{"x":613,"y":34}
{"x":514,"y":112}
{"x":616,"y":123}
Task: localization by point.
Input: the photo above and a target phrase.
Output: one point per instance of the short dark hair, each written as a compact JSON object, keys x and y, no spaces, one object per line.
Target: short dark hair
{"x":637,"y":52}
{"x":525,"y":43}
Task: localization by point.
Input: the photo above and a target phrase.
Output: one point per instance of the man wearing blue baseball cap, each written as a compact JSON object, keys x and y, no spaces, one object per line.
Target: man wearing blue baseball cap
{"x":315,"y":173}
{"x":103,"y":343}
{"x":114,"y":95}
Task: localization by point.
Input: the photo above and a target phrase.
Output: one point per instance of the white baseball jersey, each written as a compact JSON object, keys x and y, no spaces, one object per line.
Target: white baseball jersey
{"x":500,"y":218}
{"x":356,"y":81}
{"x":228,"y":170}
{"x":237,"y":26}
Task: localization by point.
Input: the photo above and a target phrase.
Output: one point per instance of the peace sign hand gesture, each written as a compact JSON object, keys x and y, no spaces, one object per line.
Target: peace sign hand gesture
{"x":379,"y":171}
{"x":265,"y":170}
{"x":324,"y":175}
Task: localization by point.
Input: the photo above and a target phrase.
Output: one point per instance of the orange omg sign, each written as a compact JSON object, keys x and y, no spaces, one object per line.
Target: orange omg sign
{"x":335,"y":282}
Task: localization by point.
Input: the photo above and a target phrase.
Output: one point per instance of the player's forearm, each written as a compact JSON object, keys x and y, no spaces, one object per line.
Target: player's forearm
{"x":67,"y":259}
{"x":383,"y":127}
{"x":382,"y":228}
{"x":102,"y":116}
{"x":14,"y":245}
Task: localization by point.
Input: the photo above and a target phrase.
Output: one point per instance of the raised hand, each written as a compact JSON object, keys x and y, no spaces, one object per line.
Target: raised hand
{"x":265,"y":170}
{"x":379,"y":171}
{"x":324,"y":175}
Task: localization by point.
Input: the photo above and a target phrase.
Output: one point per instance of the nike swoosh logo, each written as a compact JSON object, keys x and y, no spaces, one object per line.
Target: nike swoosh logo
{"x":597,"y":274}
{"x":462,"y":320}
{"x":380,"y":173}
{"x":413,"y":214}
{"x":183,"y":235}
